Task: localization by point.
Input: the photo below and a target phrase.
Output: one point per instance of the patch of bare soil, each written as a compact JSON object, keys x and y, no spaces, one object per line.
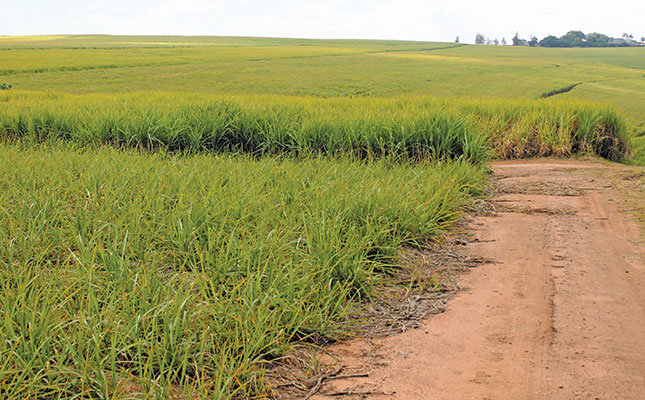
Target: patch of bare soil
{"x":421,"y":285}
{"x":559,"y":312}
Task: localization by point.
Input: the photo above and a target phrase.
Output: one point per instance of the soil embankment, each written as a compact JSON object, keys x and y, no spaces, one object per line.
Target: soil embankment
{"x":559,"y":313}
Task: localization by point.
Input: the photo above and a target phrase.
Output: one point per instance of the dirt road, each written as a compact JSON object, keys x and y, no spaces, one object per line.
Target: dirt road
{"x":559,"y":313}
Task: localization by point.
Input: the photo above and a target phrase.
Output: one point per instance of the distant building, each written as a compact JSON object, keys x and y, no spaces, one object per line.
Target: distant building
{"x":623,"y":42}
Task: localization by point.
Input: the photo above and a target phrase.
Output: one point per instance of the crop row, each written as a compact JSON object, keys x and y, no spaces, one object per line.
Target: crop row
{"x":405,"y":128}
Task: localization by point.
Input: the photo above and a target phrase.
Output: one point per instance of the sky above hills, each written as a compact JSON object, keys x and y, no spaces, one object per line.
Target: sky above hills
{"x":440,"y":20}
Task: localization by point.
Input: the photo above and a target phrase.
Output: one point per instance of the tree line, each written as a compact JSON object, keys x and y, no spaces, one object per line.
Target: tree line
{"x":570,"y":39}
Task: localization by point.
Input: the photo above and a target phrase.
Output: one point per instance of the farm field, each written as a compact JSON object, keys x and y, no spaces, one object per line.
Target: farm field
{"x":177,"y":212}
{"x":123,"y":270}
{"x":326,"y":68}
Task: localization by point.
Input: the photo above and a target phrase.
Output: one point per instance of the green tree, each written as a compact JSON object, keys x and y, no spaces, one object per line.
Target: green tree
{"x":596,"y":39}
{"x":573,"y":39}
{"x":550,"y":41}
{"x":480,"y":39}
{"x":533,"y":42}
{"x":516,"y":39}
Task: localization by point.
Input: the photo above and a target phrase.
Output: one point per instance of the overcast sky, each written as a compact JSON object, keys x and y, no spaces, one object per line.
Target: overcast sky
{"x":440,"y":20}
